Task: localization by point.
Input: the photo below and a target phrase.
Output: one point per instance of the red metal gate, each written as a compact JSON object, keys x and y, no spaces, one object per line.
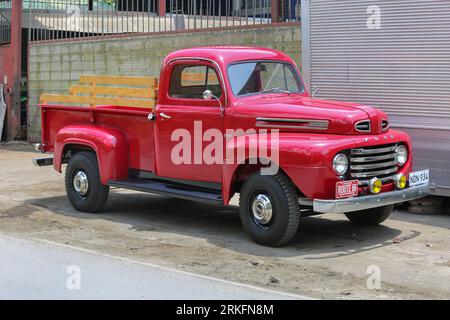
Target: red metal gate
{"x":10,"y":64}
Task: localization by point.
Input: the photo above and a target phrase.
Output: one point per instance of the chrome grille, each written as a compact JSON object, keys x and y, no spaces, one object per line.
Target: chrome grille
{"x":363,"y":126}
{"x":374,"y":161}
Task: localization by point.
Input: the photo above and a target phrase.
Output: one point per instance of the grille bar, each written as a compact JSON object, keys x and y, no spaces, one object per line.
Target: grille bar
{"x":364,"y":151}
{"x":373,"y":158}
{"x":370,"y":174}
{"x":373,"y":161}
{"x":373,"y":165}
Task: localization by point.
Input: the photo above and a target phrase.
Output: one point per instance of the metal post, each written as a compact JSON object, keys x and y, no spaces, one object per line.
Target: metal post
{"x":275,"y":11}
{"x":306,"y":43}
{"x":162,"y":8}
{"x":13,"y":114}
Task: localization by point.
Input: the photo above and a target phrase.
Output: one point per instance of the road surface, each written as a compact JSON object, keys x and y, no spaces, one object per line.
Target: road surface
{"x":42,"y":270}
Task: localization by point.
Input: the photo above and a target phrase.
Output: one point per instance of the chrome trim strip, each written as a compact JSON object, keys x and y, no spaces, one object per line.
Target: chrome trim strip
{"x":368,"y":202}
{"x":310,"y":123}
{"x":371,"y":174}
{"x":373,"y":165}
{"x":280,"y":126}
{"x":364,"y":151}
{"x":373,"y":158}
{"x":290,"y":120}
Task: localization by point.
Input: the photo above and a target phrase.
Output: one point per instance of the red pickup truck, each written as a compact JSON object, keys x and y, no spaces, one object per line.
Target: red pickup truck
{"x":246,"y":125}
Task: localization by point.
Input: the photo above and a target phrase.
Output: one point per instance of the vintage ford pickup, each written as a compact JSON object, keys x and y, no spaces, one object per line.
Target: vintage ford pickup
{"x":227,"y":120}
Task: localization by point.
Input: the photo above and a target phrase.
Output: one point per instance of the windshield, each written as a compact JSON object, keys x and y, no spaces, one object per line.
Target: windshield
{"x":263,"y":77}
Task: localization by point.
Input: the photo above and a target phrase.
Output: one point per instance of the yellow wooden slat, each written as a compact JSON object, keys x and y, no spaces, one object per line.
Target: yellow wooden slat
{"x":125,"y":102}
{"x":114,"y":91}
{"x":193,"y":77}
{"x":47,"y":98}
{"x":111,"y":80}
{"x":185,"y":77}
{"x":96,"y":101}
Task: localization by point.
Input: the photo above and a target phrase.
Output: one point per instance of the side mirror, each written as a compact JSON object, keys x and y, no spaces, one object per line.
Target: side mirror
{"x":314,"y":91}
{"x":208,"y":95}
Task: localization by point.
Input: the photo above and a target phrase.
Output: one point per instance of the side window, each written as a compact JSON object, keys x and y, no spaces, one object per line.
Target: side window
{"x":189,"y":82}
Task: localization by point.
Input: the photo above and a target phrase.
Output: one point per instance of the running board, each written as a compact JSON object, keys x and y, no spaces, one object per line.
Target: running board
{"x":176,"y":190}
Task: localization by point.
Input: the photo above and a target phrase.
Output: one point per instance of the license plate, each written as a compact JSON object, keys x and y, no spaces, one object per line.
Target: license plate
{"x":346,"y":189}
{"x":417,"y":178}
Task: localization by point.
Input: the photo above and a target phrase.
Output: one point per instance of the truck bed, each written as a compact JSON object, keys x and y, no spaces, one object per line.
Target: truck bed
{"x":132,"y":122}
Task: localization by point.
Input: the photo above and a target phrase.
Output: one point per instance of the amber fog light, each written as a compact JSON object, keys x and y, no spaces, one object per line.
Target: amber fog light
{"x":375,"y":185}
{"x":400,"y":181}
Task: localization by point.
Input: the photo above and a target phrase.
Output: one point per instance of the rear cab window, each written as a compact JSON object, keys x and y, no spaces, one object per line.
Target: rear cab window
{"x":190,"y":81}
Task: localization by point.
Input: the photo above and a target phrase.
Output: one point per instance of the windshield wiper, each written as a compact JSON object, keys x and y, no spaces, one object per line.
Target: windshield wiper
{"x":276,"y":90}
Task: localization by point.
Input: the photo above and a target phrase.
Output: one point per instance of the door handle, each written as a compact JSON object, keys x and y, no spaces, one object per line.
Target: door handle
{"x":165,"y":116}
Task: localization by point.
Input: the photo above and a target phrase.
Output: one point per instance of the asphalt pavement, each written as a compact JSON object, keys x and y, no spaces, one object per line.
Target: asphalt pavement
{"x":43,"y":270}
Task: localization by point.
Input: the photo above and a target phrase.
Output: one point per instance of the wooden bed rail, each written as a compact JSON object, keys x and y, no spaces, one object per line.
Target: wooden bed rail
{"x":125,"y":91}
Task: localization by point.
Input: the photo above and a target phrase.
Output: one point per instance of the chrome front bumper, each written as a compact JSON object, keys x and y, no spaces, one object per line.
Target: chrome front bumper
{"x":372,"y":201}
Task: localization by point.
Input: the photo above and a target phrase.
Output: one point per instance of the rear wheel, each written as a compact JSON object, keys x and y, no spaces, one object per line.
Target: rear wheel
{"x":83,"y":186}
{"x":269,"y":209}
{"x":370,"y":217}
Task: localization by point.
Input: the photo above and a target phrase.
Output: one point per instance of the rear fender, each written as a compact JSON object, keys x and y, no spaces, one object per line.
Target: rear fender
{"x":109,"y":144}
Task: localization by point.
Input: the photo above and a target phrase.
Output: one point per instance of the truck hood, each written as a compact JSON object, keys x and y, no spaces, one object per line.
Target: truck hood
{"x":311,"y":115}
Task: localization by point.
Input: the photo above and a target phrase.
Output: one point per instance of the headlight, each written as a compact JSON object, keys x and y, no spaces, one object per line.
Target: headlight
{"x":401,"y":155}
{"x":340,"y":164}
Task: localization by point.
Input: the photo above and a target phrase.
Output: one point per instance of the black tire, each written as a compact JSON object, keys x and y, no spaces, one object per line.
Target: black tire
{"x":370,"y":217}
{"x":285,"y":216}
{"x":93,"y":198}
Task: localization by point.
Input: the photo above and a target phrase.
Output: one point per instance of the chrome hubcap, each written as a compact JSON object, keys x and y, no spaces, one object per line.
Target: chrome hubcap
{"x":262,"y":209}
{"x":81,"y":183}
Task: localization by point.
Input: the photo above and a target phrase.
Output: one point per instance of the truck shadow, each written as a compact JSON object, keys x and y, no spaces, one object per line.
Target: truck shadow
{"x":318,"y":238}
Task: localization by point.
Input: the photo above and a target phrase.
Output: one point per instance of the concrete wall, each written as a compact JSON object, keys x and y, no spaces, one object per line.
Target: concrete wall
{"x":53,"y":67}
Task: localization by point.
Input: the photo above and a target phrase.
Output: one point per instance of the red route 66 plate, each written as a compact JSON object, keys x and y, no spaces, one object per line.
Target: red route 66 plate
{"x":346,"y":189}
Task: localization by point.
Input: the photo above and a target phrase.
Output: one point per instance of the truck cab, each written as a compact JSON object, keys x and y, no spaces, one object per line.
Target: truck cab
{"x":240,"y":120}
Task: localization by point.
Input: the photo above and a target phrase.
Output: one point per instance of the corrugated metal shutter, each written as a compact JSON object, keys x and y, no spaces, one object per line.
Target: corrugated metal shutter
{"x":403,"y":67}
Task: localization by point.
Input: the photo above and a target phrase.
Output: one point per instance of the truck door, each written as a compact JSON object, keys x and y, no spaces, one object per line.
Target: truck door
{"x":188,"y":126}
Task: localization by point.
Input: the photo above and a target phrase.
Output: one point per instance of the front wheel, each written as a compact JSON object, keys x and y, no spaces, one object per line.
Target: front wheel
{"x":370,"y":217}
{"x":83,"y":186}
{"x":269,"y":209}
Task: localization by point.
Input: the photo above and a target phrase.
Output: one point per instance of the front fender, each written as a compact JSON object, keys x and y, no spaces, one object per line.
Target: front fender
{"x":109,"y":144}
{"x":307,"y":158}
